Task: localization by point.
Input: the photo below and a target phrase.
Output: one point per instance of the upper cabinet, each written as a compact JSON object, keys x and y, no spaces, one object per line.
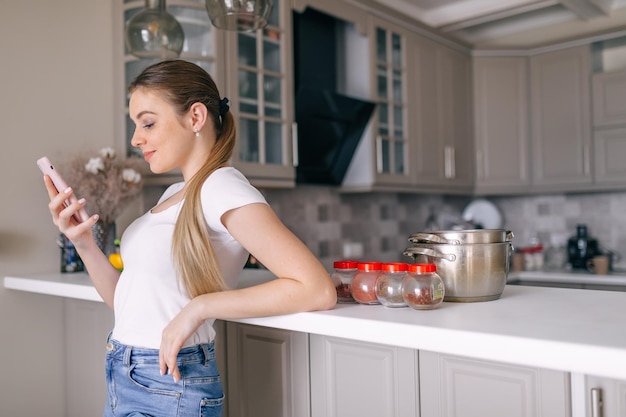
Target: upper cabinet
{"x":609,"y":98}
{"x":501,"y":124}
{"x":441,"y":117}
{"x":382,"y":158}
{"x":561,"y":120}
{"x":260,"y":84}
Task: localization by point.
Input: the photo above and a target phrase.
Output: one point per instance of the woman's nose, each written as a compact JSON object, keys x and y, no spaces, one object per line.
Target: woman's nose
{"x":136,"y":140}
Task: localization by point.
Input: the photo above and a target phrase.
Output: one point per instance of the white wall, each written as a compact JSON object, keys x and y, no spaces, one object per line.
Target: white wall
{"x":56,"y":96}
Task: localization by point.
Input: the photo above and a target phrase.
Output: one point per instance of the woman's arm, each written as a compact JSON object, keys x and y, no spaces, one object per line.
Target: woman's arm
{"x":303,"y":284}
{"x":101,"y":272}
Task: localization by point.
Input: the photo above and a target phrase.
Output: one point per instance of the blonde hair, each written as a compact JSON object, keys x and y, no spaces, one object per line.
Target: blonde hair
{"x":182,"y":84}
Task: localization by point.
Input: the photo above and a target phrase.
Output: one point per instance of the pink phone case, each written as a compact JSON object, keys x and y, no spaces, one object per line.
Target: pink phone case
{"x":48,"y":169}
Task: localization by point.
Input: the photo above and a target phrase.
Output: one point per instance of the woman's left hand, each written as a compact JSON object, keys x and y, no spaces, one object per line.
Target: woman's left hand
{"x":174,"y":336}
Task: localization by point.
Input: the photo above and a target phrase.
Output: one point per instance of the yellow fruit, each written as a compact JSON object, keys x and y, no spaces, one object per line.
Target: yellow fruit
{"x":116,"y":261}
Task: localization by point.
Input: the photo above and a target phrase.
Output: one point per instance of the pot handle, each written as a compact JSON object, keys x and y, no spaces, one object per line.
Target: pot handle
{"x":430,"y":238}
{"x":429,"y":252}
{"x":509,"y":236}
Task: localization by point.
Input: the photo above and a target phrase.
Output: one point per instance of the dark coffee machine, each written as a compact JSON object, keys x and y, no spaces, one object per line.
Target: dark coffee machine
{"x":581,"y":247}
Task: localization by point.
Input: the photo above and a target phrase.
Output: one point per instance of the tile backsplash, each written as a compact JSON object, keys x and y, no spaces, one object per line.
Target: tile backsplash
{"x":327,"y":220}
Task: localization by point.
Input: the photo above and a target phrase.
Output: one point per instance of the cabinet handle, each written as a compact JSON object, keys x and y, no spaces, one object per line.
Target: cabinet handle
{"x":294,"y":144}
{"x":448,"y":155}
{"x":379,"y":154}
{"x":596,"y":402}
{"x":586,"y":167}
{"x":480,"y":169}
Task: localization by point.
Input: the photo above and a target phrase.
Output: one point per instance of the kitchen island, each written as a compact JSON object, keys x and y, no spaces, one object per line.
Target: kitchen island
{"x":563,"y":329}
{"x":570,"y":333}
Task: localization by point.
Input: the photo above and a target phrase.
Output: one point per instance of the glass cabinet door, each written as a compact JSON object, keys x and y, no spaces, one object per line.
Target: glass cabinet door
{"x":262,"y":82}
{"x":390,"y":94}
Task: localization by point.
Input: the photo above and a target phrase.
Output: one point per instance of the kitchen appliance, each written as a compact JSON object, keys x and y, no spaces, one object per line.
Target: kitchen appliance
{"x":581,"y":248}
{"x":473,"y":264}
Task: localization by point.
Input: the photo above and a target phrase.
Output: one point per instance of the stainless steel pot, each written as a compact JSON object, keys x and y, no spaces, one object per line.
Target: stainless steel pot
{"x":457,"y":237}
{"x":470,"y":272}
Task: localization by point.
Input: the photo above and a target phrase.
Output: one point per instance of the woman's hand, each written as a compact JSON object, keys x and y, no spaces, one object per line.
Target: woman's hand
{"x":174,"y":336}
{"x":63,"y":217}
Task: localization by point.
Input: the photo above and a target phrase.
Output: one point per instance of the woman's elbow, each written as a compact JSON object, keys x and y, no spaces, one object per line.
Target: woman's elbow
{"x":326,"y":298}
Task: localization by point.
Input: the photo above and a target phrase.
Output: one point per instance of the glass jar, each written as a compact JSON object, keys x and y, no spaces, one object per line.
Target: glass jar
{"x":422,"y":288}
{"x":364,"y":282}
{"x":342,"y":278}
{"x":389,"y":284}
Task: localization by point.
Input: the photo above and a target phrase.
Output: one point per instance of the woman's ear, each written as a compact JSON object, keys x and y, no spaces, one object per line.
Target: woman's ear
{"x":198,"y":113}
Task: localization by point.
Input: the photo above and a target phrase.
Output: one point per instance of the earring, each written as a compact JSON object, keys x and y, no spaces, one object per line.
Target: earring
{"x":197,"y":132}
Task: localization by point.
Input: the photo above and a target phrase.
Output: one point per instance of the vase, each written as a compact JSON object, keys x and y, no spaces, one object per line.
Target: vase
{"x":104,"y":235}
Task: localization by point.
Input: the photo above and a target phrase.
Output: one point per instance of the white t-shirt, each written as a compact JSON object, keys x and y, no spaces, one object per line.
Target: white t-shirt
{"x":149,"y":294}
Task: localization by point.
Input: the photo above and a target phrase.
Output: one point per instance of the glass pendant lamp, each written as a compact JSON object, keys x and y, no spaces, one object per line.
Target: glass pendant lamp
{"x":240,"y":15}
{"x":154,"y":33}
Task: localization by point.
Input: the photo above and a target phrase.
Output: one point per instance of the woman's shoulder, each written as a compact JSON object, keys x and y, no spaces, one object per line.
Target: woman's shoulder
{"x":226,"y":176}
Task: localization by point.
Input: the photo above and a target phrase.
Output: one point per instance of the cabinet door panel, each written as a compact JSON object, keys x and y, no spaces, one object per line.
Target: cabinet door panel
{"x":501,"y":123}
{"x":609,"y":98}
{"x":350,"y":378}
{"x":610,"y":155}
{"x":560,"y":117}
{"x":452,"y":386}
{"x":267,"y":372}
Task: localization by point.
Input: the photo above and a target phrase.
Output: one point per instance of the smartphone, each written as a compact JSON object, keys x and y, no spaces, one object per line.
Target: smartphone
{"x":48,"y":169}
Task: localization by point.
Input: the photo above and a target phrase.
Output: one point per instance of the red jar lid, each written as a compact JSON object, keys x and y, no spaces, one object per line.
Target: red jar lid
{"x":422,"y":268}
{"x":345,"y":264}
{"x":395,"y":267}
{"x":370,"y":266}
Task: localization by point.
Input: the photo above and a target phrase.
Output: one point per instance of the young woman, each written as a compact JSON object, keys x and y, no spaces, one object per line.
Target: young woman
{"x":182,"y":258}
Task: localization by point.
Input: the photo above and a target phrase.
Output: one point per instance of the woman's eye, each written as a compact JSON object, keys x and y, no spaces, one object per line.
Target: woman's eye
{"x":148,"y":125}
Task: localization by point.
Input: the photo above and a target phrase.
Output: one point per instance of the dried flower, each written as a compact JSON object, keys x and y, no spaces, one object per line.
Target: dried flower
{"x":107,"y":183}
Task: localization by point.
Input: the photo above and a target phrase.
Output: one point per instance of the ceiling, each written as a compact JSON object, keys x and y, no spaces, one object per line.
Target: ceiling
{"x":516,"y":24}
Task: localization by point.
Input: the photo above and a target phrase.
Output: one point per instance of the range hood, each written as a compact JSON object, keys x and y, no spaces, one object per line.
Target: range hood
{"x":330,"y":124}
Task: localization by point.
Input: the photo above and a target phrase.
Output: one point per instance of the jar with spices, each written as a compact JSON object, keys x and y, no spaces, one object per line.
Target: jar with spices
{"x":389,"y":284}
{"x":364,"y":282}
{"x":342,"y":278}
{"x":422,"y":288}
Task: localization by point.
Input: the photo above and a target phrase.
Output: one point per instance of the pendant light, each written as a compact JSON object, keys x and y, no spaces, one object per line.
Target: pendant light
{"x":154,"y":33}
{"x":240,"y":15}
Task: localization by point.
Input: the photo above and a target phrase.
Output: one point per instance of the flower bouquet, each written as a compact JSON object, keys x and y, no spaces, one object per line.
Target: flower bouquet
{"x":108,"y":184}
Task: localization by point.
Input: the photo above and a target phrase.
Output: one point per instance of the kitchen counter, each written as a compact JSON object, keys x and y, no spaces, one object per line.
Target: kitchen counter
{"x":572,"y":330}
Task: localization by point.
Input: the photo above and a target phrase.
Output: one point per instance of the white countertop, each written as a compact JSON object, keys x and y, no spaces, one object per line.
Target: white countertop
{"x":571,"y":330}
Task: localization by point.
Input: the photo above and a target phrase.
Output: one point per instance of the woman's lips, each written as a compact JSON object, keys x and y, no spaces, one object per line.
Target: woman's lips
{"x":148,"y":155}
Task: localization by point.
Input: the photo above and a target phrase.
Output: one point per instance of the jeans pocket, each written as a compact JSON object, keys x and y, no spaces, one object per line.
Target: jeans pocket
{"x":148,"y":378}
{"x":211,"y":407}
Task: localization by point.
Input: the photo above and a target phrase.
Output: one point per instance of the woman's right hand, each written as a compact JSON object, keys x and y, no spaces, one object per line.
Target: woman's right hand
{"x":63,"y":217}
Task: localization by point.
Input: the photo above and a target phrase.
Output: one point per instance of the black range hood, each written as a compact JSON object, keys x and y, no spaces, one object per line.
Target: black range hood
{"x":330,"y":124}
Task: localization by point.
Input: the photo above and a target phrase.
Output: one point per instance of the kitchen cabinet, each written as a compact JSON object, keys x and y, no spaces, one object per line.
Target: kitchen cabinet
{"x":605,"y":397}
{"x":609,"y":98}
{"x":453,"y":386}
{"x":260,"y":86}
{"x":87,"y":325}
{"x":382,"y":160}
{"x":501,"y":124}
{"x":267,"y":372}
{"x":441,"y":158}
{"x":351,"y":378}
{"x":609,"y":156}
{"x":561,"y":120}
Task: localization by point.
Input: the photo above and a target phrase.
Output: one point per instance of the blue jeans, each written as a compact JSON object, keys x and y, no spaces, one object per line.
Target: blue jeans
{"x":135,"y":386}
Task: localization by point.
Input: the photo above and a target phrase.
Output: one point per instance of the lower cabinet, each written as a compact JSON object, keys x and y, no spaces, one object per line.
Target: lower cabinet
{"x":267,"y":372}
{"x":605,"y":397}
{"x":350,"y":378}
{"x":453,"y":386}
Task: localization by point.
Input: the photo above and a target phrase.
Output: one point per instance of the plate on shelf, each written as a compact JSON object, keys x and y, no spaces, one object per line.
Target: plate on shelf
{"x":483,"y":212}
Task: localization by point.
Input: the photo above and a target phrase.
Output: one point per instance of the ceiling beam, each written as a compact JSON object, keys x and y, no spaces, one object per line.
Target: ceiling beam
{"x":588,"y":9}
